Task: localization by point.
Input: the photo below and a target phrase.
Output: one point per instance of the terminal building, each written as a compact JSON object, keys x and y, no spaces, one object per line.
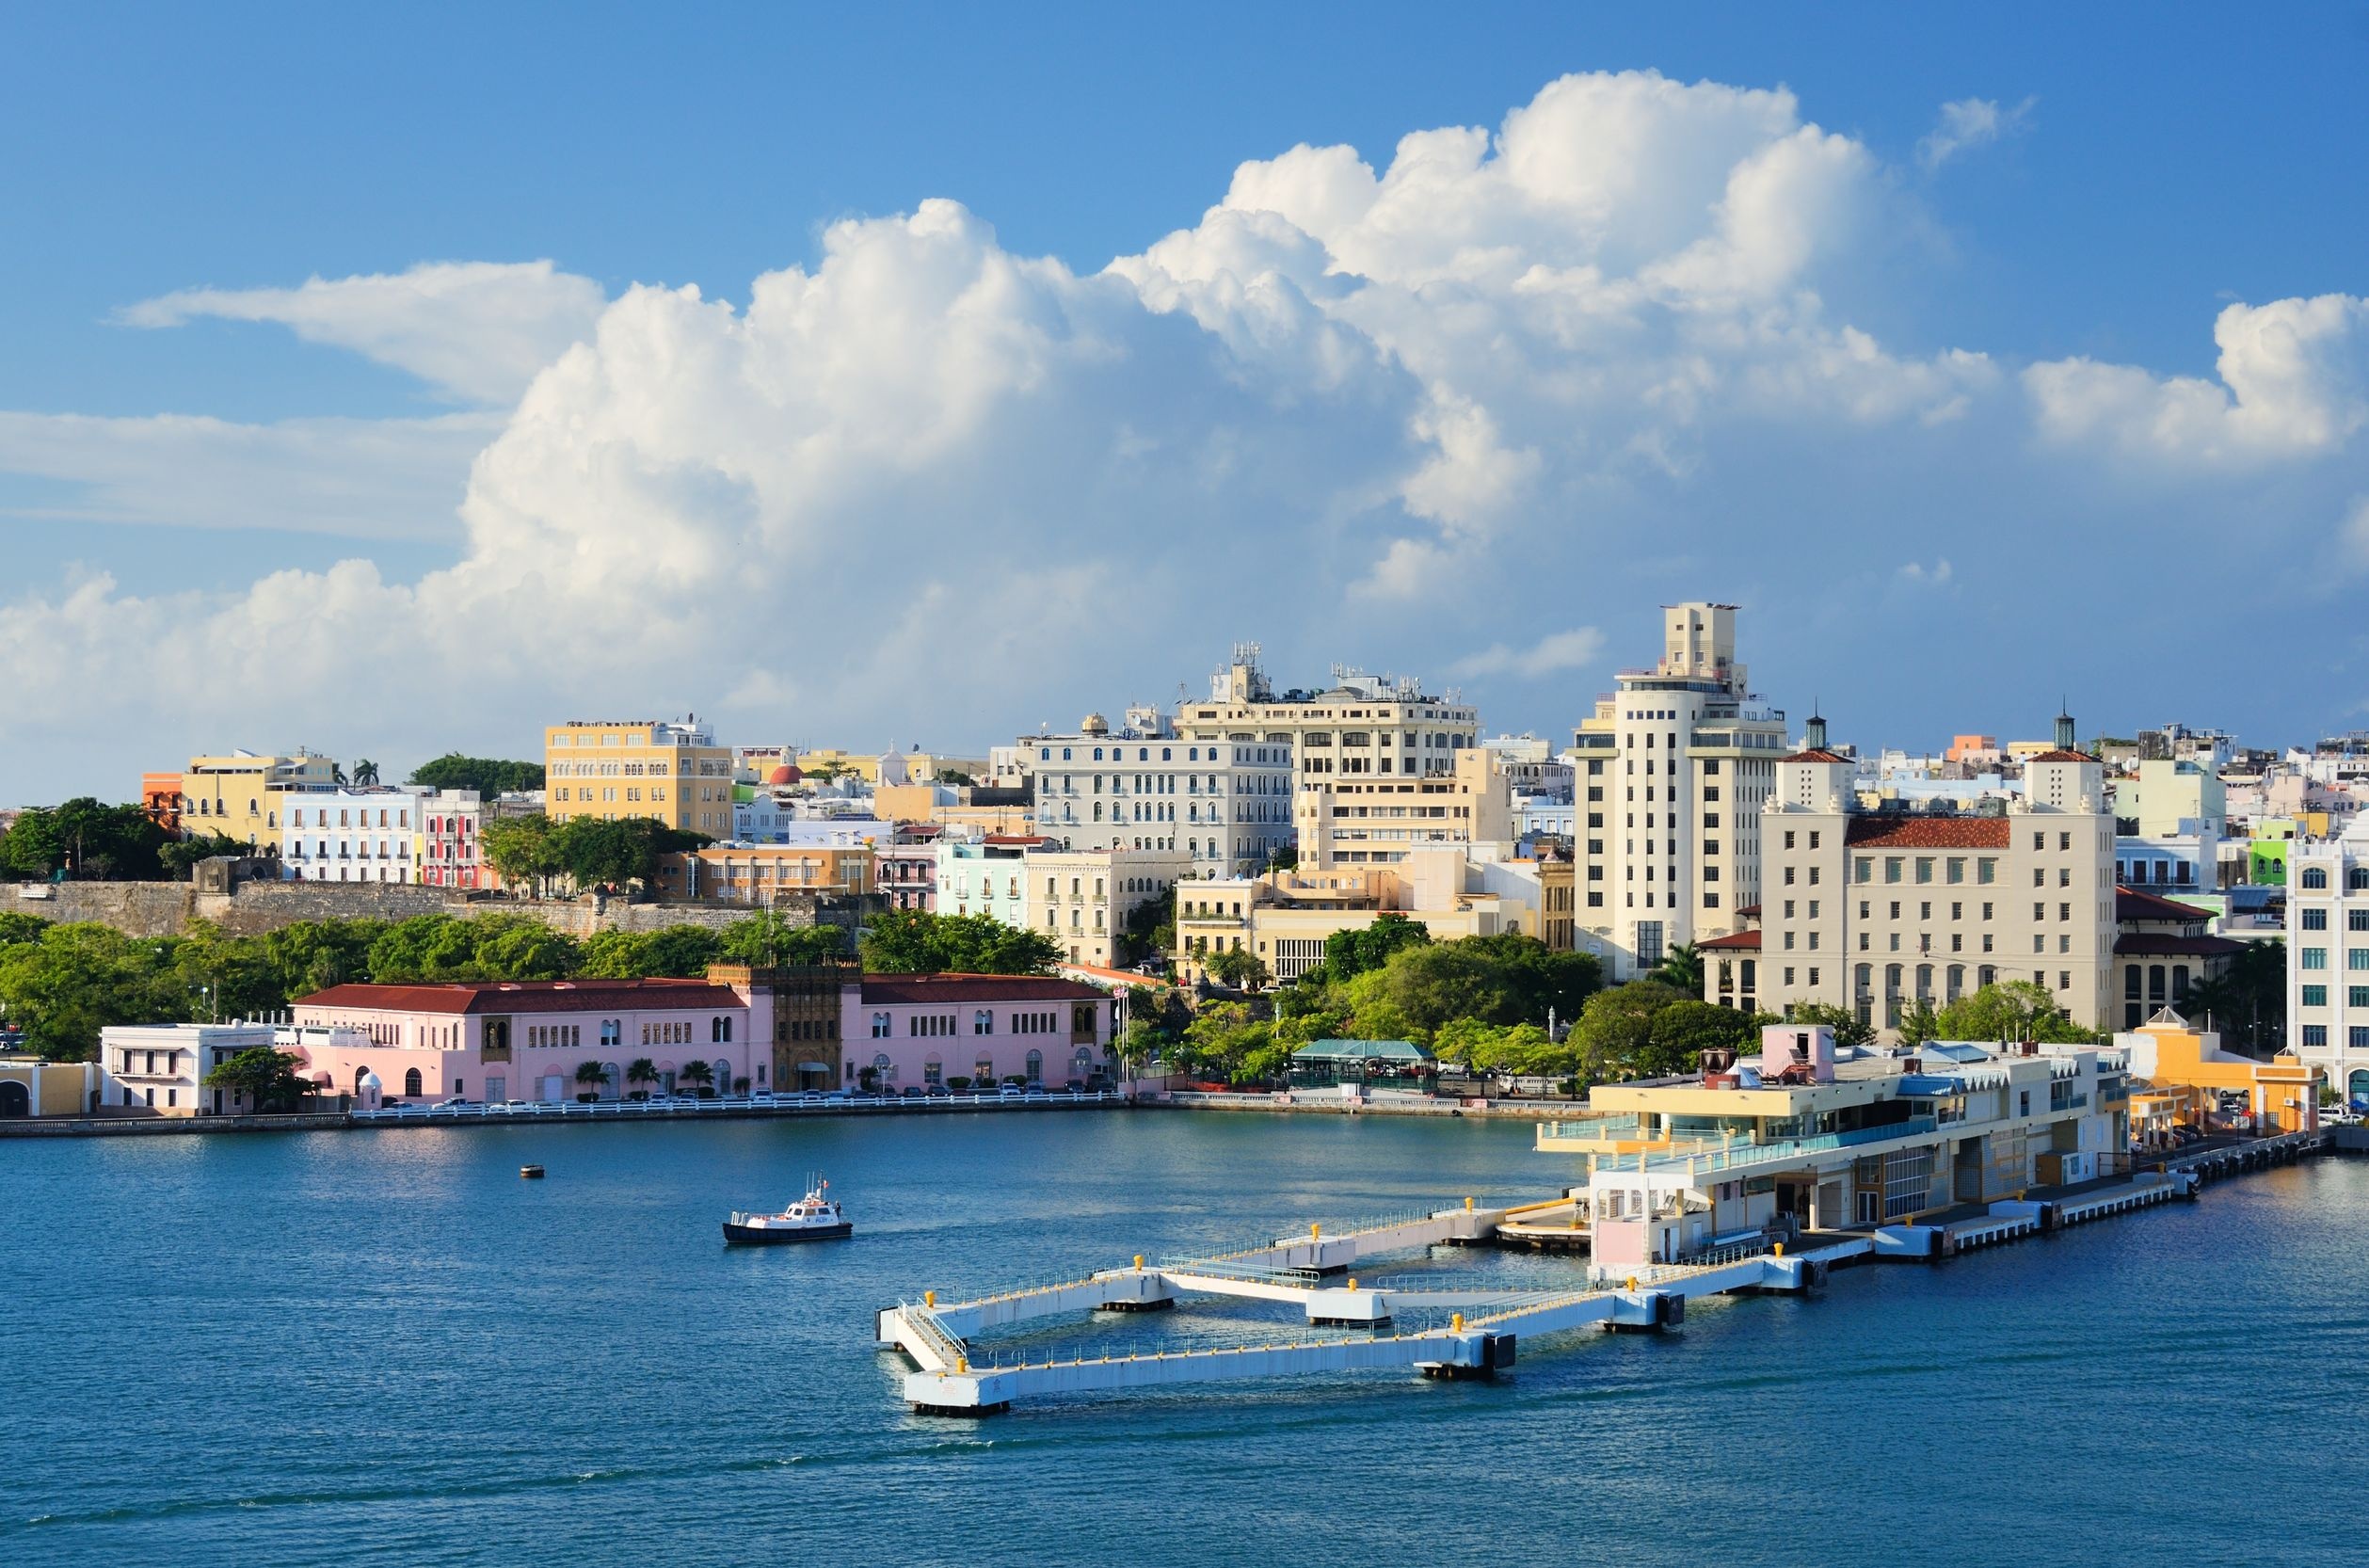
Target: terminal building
{"x":1810,"y":1139}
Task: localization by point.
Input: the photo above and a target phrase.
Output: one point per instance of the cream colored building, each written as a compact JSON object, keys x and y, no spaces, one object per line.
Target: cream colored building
{"x":673,"y":773}
{"x":1670,"y":777}
{"x":1878,"y":911}
{"x":1082,"y":899}
{"x":1285,"y":917}
{"x":238,"y":794}
{"x":1366,"y":820}
{"x":1362,"y":729}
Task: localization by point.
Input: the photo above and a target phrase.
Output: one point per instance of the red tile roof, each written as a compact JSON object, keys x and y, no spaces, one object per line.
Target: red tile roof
{"x":1816,"y":755}
{"x":890,"y":989}
{"x":2132,"y":905}
{"x":1749,"y":912}
{"x":2165,"y":943}
{"x":480,"y":997}
{"x":1928,"y":833}
{"x":2063,"y":757}
{"x":1738,"y":941}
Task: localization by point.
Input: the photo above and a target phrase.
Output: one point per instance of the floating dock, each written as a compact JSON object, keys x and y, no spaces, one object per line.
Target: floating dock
{"x":1324,"y":1272}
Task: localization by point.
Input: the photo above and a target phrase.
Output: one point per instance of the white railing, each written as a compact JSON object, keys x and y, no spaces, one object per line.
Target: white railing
{"x":785,"y":1105}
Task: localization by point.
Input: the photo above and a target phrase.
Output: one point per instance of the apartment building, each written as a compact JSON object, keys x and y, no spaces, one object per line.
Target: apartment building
{"x":1670,"y":777}
{"x":1368,"y":820}
{"x":339,"y":833}
{"x":982,"y":876}
{"x":237,"y":795}
{"x":754,"y":874}
{"x":1362,"y":728}
{"x":2328,"y":957}
{"x":160,"y":1070}
{"x":1222,"y":803}
{"x":1082,"y":899}
{"x":673,"y":773}
{"x":450,"y":846}
{"x":1876,"y":911}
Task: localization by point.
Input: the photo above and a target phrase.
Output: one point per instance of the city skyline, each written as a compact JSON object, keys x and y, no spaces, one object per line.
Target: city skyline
{"x":1458,"y":372}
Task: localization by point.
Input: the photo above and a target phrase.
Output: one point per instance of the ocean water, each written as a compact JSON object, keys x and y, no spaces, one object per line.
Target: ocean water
{"x":385,"y":1348}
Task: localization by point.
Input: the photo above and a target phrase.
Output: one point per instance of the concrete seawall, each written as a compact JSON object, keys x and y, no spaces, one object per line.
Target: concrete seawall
{"x":1535,"y":1111}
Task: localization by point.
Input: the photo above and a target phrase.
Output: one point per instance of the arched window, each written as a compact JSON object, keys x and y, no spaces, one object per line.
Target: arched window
{"x":933,"y":1069}
{"x":411,"y":1082}
{"x":886,"y":1069}
{"x":723,"y":1076}
{"x":1035,"y":1066}
{"x":2315,"y":877}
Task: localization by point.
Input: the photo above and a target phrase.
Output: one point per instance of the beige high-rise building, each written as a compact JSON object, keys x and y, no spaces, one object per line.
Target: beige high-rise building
{"x":673,"y":773}
{"x":1371,"y":821}
{"x":1363,"y":729}
{"x":1670,"y":778}
{"x":1876,"y":911}
{"x":238,"y":795}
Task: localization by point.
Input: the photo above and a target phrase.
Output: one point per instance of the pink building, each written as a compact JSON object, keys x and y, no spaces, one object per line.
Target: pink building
{"x":751,"y":1029}
{"x":451,"y":822}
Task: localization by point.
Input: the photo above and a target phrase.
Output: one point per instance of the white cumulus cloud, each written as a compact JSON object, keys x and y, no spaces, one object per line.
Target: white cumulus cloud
{"x":1551,"y":654}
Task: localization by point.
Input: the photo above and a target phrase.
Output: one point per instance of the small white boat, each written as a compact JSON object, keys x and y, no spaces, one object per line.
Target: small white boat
{"x":814,"y":1218}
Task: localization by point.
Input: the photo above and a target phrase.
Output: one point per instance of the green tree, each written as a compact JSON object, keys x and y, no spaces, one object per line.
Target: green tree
{"x":696,"y":1073}
{"x":1920,"y":1021}
{"x":590,"y":1076}
{"x":313,"y":956}
{"x":915,"y":941}
{"x":1239,"y":968}
{"x":1683,"y":1031}
{"x":955,"y":776}
{"x":15,"y":928}
{"x":681,"y":952}
{"x":1614,"y":1035}
{"x":268,"y":1077}
{"x":231,"y":977}
{"x":641,"y":1070}
{"x":2009,"y":1010}
{"x":1501,"y":980}
{"x":1848,"y":1029}
{"x":85,"y":839}
{"x":1350,"y":954}
{"x":764,"y":940}
{"x":523,"y":850}
{"x":366,"y":773}
{"x":79,"y":978}
{"x":486,"y":775}
{"x":1681,"y":969}
{"x":1150,"y":930}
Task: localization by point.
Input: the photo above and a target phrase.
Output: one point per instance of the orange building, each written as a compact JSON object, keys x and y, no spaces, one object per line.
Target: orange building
{"x":160,"y":797}
{"x":2180,"y":1077}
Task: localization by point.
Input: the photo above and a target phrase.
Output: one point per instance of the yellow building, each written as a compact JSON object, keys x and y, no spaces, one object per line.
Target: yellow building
{"x":32,"y":1087}
{"x":2180,"y":1077}
{"x":957,"y":805}
{"x":753,"y":874}
{"x":861,"y":765}
{"x":673,"y":773}
{"x":237,"y":795}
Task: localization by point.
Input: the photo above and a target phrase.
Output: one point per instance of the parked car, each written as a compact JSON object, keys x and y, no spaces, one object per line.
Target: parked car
{"x":939,"y":1092}
{"x":1010,"y":1091}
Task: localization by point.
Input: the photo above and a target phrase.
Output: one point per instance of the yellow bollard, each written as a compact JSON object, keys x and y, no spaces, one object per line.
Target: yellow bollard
{"x":1315,"y":1231}
{"x":1467,"y":1206}
{"x":1779,"y":1249}
{"x":962,"y":1363}
{"x":1353,"y":1282}
{"x":1139,"y":1260}
{"x":1456,"y":1322}
{"x":929,"y":1298}
{"x":1632,"y":1282}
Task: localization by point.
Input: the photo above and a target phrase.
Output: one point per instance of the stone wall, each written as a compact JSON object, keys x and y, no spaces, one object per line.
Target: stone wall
{"x":250,"y":908}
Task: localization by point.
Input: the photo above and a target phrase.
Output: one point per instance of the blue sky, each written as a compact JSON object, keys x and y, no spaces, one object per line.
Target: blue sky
{"x":2149,"y":169}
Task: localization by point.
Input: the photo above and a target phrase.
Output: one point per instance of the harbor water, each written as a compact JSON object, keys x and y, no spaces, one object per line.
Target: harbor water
{"x":385,"y":1348}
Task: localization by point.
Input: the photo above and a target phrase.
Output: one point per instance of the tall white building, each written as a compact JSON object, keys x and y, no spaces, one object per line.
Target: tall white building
{"x":1670,"y":778}
{"x":1224,"y":803}
{"x":337,"y":833}
{"x":2328,"y":957}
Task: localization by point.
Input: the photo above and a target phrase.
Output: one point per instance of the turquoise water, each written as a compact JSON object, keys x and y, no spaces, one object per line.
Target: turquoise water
{"x":385,"y":1348}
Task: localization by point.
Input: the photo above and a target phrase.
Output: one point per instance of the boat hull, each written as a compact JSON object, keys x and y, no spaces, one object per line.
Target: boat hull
{"x":753,"y":1236}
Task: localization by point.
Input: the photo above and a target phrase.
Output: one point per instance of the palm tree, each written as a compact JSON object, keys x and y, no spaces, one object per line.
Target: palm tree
{"x":591,"y":1074}
{"x":366,"y":771}
{"x":1682,"y":966}
{"x":642,"y":1070}
{"x":337,"y":774}
{"x":696,"y":1073}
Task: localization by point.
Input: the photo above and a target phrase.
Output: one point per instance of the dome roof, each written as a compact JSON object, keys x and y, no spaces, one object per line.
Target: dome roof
{"x":368,"y":1080}
{"x":1095,"y":724}
{"x":784,"y":774}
